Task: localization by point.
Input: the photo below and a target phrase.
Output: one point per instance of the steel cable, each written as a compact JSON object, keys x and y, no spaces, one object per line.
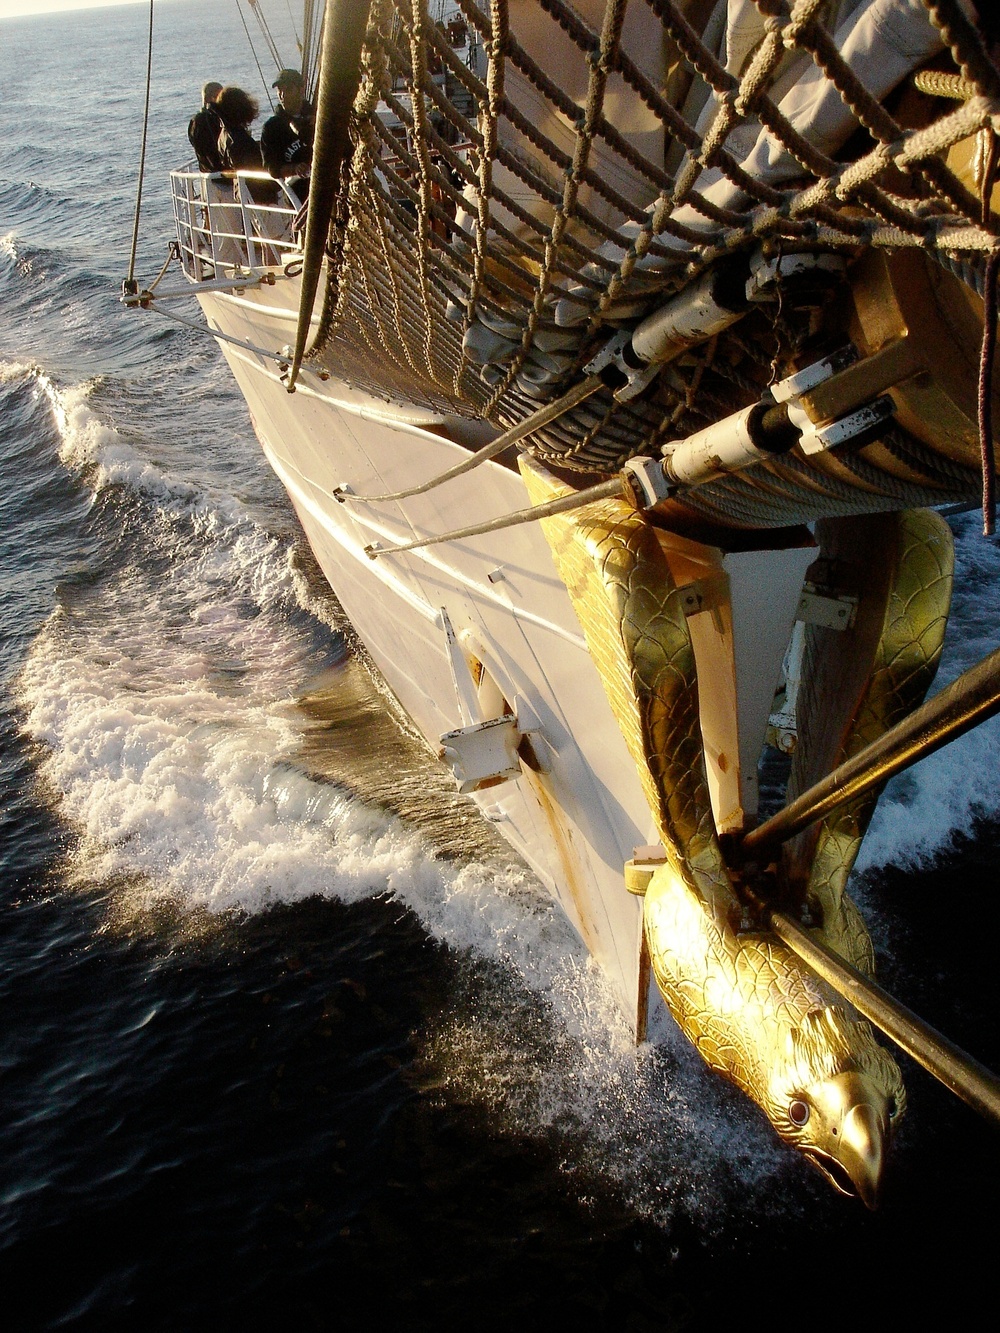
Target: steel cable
{"x":142,"y":156}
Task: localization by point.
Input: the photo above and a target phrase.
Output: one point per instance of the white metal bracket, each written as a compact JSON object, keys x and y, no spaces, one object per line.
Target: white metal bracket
{"x":480,"y":753}
{"x":484,"y":754}
{"x":829,"y":610}
{"x":647,"y":481}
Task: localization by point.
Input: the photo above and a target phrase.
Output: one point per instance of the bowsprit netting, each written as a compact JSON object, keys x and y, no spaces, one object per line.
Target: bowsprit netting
{"x":528,"y":176}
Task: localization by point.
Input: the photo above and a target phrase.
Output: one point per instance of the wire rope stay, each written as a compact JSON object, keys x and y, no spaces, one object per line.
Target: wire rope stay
{"x":129,"y":284}
{"x":253,"y":52}
{"x":510,"y":437}
{"x":279,"y":356}
{"x":605,"y":490}
{"x":272,"y":46}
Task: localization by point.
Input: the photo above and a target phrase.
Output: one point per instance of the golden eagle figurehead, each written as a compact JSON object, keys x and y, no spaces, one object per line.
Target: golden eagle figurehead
{"x":837,"y":1096}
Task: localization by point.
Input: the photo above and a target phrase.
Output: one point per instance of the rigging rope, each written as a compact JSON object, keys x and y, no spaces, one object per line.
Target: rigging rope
{"x":605,"y":490}
{"x":986,"y":391}
{"x":310,"y":50}
{"x":295,"y":31}
{"x":536,"y":421}
{"x":488,"y":236}
{"x":262,"y":24}
{"x":344,"y":31}
{"x":129,"y":285}
{"x":253,"y":52}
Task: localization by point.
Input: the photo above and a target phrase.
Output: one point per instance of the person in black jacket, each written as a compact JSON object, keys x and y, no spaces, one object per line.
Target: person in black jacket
{"x":204,"y":129}
{"x":286,"y":140}
{"x":240,"y":151}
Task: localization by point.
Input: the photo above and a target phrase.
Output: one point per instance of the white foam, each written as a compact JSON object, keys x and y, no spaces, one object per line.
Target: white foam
{"x":165,"y":711}
{"x":12,"y":371}
{"x":103,"y":457}
{"x":9,"y":250}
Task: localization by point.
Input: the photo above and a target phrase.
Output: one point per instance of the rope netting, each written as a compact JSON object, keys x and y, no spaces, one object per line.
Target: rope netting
{"x":528,"y":176}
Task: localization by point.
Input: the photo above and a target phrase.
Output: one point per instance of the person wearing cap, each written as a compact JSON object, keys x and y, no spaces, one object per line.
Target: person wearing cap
{"x":204,"y":129}
{"x":287,"y":137}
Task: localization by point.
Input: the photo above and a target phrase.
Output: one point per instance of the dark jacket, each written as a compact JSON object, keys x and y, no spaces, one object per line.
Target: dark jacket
{"x":204,"y":129}
{"x":287,"y":141}
{"x":240,"y":151}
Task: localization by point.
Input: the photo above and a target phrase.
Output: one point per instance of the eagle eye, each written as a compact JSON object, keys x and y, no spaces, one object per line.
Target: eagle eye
{"x":798,"y":1112}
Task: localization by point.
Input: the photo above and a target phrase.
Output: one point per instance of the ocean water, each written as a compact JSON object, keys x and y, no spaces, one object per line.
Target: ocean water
{"x":288,"y":1039}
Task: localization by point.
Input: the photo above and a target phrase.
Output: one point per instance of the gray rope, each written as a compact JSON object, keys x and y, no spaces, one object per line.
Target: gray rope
{"x":540,"y":418}
{"x":216,"y":333}
{"x":607,"y":490}
{"x":142,"y":155}
{"x":253,"y":52}
{"x":340,"y":73}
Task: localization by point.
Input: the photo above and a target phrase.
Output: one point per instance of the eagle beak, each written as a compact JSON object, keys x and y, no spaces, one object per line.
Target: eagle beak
{"x":849,"y":1140}
{"x":854,"y":1163}
{"x":862,"y":1152}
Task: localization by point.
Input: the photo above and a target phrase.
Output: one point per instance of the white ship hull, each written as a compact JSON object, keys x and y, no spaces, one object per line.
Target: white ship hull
{"x":574,"y":825}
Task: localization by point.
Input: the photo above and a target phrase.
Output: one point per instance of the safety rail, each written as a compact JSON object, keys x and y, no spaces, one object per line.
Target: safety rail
{"x":221,"y":225}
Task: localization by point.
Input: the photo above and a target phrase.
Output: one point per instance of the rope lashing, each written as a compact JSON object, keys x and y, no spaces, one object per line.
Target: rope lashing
{"x":937,"y":84}
{"x":605,"y":490}
{"x":171,"y":256}
{"x":524,"y":428}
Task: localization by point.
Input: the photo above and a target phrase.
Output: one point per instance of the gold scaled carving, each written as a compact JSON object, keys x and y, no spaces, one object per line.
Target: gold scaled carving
{"x":917,"y":545}
{"x":751,"y":1009}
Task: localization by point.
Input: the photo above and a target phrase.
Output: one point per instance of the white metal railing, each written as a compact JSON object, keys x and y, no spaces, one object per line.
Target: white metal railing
{"x":220,"y":225}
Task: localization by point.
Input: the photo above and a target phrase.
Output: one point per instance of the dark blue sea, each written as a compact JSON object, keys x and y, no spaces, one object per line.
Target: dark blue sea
{"x":287,"y":1040}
